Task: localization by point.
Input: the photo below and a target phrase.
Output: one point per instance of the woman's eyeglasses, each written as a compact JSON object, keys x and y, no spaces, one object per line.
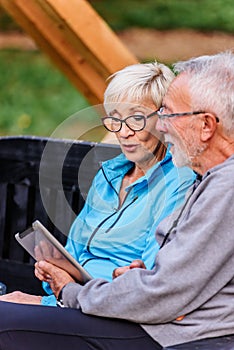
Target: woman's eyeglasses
{"x":133,"y":122}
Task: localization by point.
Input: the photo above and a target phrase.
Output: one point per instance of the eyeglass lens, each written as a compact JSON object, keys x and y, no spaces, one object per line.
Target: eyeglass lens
{"x":135,"y":123}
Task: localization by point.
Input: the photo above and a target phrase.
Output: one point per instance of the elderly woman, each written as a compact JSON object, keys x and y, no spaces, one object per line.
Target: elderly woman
{"x":133,"y":192}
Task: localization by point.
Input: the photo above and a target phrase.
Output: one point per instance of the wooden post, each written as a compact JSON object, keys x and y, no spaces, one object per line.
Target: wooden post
{"x":76,"y":38}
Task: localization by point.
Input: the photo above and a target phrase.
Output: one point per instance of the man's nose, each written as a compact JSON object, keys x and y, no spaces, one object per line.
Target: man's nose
{"x":161,"y":125}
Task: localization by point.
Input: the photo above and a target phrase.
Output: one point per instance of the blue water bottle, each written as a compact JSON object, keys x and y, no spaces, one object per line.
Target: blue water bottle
{"x":2,"y":288}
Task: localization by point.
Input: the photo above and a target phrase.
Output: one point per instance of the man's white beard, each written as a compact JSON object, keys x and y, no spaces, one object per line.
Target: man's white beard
{"x":180,"y":158}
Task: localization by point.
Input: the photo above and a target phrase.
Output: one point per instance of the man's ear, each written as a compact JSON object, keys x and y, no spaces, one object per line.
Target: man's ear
{"x":209,"y":125}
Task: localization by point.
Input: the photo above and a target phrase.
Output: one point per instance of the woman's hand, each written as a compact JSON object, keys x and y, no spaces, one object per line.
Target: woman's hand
{"x":56,"y":277}
{"x":21,"y":298}
{"x":134,"y":264}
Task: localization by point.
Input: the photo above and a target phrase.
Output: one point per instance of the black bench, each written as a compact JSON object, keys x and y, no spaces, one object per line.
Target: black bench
{"x":219,"y":343}
{"x":66,"y":168}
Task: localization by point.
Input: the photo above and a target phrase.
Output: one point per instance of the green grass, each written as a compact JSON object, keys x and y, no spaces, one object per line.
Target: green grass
{"x":160,"y":14}
{"x":168,"y":14}
{"x":34,"y":96}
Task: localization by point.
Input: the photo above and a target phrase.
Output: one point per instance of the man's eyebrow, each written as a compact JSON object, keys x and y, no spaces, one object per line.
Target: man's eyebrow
{"x":164,"y":105}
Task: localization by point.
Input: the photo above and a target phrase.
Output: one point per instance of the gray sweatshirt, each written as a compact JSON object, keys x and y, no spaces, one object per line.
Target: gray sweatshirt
{"x":193,"y":275}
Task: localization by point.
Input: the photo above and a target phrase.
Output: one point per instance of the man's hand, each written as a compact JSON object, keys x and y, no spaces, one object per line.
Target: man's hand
{"x":134,"y":264}
{"x":56,"y":277}
{"x":21,"y":298}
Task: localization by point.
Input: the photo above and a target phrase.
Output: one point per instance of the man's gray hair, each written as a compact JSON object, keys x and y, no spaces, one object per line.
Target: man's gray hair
{"x":138,"y":82}
{"x":211,"y":84}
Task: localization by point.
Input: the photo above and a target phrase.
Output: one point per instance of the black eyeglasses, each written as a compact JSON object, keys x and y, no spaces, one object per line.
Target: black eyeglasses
{"x":162,"y":115}
{"x":133,"y":122}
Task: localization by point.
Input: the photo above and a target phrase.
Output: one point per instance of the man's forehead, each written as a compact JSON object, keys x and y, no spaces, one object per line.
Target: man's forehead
{"x":178,"y":91}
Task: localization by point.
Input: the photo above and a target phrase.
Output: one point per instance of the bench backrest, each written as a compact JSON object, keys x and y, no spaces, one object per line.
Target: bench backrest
{"x":36,"y":175}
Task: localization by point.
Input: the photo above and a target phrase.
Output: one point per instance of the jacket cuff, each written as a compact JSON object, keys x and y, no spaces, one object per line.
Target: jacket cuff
{"x":49,"y":300}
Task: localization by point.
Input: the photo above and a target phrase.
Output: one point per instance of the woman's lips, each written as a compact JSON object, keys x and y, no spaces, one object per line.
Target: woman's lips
{"x":130,"y":148}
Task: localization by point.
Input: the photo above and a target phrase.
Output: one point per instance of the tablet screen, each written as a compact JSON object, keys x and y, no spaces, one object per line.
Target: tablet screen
{"x":42,"y":245}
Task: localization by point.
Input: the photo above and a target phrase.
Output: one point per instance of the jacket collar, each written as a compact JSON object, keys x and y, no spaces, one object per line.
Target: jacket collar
{"x":120,"y":165}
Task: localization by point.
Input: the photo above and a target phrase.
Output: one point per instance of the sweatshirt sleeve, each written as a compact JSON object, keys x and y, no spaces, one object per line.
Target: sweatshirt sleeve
{"x":175,"y":197}
{"x":189,"y":270}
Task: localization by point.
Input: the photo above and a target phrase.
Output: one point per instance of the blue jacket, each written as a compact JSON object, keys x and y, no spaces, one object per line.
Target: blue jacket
{"x":106,"y":235}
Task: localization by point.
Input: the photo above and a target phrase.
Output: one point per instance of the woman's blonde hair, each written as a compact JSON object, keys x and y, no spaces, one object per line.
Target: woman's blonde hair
{"x":140,"y":82}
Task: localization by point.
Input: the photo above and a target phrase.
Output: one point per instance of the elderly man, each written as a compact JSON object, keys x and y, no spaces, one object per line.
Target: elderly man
{"x":189,"y":293}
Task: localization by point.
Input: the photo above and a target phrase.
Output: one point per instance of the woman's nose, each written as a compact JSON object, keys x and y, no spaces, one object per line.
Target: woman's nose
{"x":125,"y":131}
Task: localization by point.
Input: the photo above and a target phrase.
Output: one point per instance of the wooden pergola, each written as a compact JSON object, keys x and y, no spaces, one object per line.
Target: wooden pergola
{"x":76,"y":38}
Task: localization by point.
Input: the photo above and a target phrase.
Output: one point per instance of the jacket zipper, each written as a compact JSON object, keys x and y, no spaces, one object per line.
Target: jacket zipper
{"x":107,"y":218}
{"x":96,"y":229}
{"x":120,"y":214}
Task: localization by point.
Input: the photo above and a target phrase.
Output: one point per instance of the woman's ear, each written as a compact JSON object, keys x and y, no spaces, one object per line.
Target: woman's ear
{"x":209,"y":125}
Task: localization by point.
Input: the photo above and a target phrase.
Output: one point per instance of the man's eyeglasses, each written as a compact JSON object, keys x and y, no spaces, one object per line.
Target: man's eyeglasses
{"x":133,"y":122}
{"x":162,"y":115}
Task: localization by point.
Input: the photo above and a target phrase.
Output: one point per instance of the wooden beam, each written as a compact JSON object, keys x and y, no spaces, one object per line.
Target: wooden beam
{"x":76,"y":38}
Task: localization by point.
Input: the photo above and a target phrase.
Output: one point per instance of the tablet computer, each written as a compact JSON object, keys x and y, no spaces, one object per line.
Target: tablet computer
{"x":42,"y":245}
